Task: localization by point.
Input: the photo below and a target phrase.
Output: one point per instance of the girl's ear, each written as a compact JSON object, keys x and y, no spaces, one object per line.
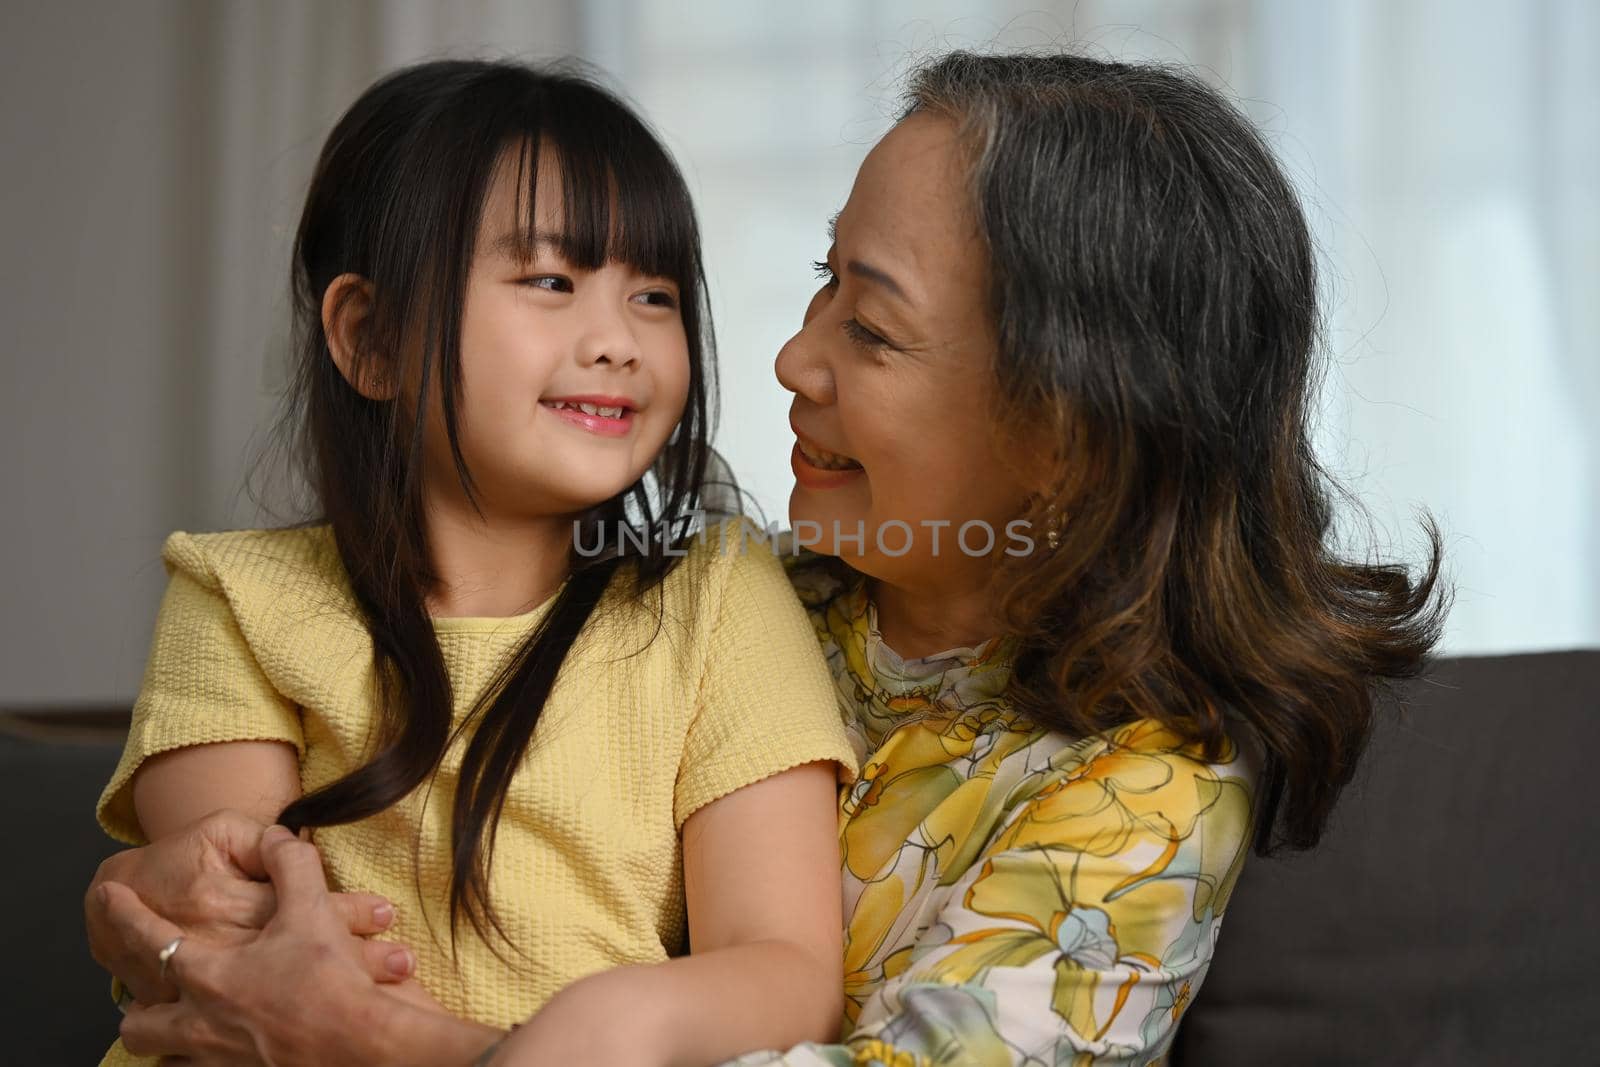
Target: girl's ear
{"x":346,"y":319}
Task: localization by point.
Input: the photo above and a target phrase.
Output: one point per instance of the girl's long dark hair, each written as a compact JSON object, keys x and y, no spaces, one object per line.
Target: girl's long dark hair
{"x":397,"y":198}
{"x":1154,"y":285}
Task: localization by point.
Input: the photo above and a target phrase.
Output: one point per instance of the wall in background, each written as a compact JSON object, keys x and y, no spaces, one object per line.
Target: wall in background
{"x":157,"y":156}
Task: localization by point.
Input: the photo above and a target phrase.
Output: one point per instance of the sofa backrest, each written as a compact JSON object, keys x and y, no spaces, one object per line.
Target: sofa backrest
{"x":1452,"y":913}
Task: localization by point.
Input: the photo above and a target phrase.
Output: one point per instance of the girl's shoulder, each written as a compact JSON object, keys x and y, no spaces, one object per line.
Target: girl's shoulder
{"x":727,"y":554}
{"x":773,"y":562}
{"x":297,"y":553}
{"x":268,"y":578}
{"x":726,"y":600}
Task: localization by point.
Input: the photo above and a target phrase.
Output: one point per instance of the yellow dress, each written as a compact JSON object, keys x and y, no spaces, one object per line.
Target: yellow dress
{"x":1012,"y":895}
{"x":258,"y":638}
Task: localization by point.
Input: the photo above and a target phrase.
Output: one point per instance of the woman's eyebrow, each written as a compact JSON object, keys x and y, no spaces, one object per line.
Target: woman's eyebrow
{"x":873,"y":274}
{"x":867,"y":270}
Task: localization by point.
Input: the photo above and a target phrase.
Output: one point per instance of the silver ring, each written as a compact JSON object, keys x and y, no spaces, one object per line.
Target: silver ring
{"x":166,"y":955}
{"x":122,"y":994}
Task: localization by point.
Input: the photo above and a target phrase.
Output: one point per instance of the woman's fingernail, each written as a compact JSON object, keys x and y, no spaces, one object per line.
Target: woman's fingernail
{"x":383,"y":914}
{"x":276,"y":831}
{"x":399,"y":963}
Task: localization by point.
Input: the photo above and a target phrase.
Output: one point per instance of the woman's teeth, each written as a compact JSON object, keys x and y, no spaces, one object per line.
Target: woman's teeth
{"x":589,"y":409}
{"x":830,"y":461}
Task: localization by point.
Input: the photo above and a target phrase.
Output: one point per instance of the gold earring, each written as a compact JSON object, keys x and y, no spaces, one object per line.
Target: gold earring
{"x":1052,"y":528}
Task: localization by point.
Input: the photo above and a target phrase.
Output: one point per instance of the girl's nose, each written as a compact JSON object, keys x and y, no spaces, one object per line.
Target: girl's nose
{"x":608,"y":340}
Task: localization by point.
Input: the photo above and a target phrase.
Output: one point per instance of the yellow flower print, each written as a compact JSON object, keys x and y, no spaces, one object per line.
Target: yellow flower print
{"x":1031,"y":889}
{"x":1139,"y":786}
{"x":878,"y":1054}
{"x":933,"y":805}
{"x":907,"y":829}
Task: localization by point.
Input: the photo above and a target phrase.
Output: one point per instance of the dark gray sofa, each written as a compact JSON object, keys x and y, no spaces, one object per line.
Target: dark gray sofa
{"x":1452,"y":914}
{"x":1450,"y":917}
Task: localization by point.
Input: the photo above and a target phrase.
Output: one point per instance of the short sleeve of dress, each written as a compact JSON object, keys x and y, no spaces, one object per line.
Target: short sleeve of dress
{"x":202,"y":684}
{"x":766,"y":700}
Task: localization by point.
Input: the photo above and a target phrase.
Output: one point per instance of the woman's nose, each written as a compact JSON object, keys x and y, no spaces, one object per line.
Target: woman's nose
{"x":802,"y":369}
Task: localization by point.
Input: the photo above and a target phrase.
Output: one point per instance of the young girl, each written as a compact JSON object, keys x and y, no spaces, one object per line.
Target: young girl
{"x":541,"y":756}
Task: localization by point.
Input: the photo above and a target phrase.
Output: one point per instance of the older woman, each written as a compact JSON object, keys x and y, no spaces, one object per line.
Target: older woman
{"x":1068,"y":559}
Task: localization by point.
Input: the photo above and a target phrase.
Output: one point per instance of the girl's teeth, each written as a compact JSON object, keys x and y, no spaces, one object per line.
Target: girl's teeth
{"x":592,"y":409}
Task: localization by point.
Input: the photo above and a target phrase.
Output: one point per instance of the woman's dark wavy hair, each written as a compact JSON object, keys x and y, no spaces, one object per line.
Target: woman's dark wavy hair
{"x":1154,"y":286}
{"x":397,"y":198}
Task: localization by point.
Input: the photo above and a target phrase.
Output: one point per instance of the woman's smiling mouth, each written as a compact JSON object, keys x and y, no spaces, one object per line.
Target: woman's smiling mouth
{"x":817,"y":468}
{"x":825,"y":460}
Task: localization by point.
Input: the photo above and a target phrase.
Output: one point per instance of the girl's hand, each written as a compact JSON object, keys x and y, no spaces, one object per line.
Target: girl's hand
{"x":299,"y":993}
{"x":207,"y":879}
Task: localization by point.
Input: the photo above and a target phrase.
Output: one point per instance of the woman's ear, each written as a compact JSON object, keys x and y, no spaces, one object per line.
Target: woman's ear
{"x":346,"y":320}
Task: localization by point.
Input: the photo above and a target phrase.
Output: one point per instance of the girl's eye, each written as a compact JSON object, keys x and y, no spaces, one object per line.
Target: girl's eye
{"x":863,"y":336}
{"x":824,"y":272}
{"x":554,"y":283}
{"x":658,"y":298}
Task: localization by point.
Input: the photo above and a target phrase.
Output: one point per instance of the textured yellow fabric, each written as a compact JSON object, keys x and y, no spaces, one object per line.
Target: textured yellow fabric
{"x":259,"y":638}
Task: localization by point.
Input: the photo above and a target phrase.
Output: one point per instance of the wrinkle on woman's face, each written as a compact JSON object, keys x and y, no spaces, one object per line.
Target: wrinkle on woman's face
{"x":893,"y":369}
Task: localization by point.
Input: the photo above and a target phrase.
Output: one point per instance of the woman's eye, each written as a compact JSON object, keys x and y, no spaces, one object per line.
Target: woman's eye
{"x":554,"y":283}
{"x":823,"y":271}
{"x":863,"y":336}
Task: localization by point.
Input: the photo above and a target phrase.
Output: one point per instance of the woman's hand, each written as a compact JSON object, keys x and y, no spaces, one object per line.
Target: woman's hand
{"x":208,"y":880}
{"x":298,"y":993}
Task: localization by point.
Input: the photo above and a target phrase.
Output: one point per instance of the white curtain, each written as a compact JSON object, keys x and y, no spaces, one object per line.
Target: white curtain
{"x":156,"y":156}
{"x":1449,"y":156}
{"x":1452,"y":156}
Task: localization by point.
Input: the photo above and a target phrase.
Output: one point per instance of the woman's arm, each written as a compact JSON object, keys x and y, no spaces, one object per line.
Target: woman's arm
{"x":297,"y":994}
{"x":209,"y":880}
{"x":219,"y":892}
{"x":210,"y":803}
{"x":761,"y":878}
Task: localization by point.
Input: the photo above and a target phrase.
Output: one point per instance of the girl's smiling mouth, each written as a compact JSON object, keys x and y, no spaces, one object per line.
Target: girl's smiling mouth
{"x":607,"y":416}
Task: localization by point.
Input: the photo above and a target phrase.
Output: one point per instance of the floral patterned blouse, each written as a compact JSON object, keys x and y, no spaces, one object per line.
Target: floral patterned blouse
{"x":1012,"y":895}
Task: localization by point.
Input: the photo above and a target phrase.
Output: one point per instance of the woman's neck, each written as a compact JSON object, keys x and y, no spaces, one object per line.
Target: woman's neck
{"x":492,"y":566}
{"x":917,"y":621}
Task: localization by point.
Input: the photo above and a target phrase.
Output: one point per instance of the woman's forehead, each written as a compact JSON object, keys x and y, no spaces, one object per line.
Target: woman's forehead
{"x":910,"y":210}
{"x":915,"y":171}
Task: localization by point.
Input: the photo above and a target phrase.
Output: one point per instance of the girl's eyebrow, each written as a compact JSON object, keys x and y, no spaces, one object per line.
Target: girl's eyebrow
{"x":520,"y":245}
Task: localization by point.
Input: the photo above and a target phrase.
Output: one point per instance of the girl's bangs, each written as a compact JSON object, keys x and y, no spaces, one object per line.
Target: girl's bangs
{"x":624,"y":200}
